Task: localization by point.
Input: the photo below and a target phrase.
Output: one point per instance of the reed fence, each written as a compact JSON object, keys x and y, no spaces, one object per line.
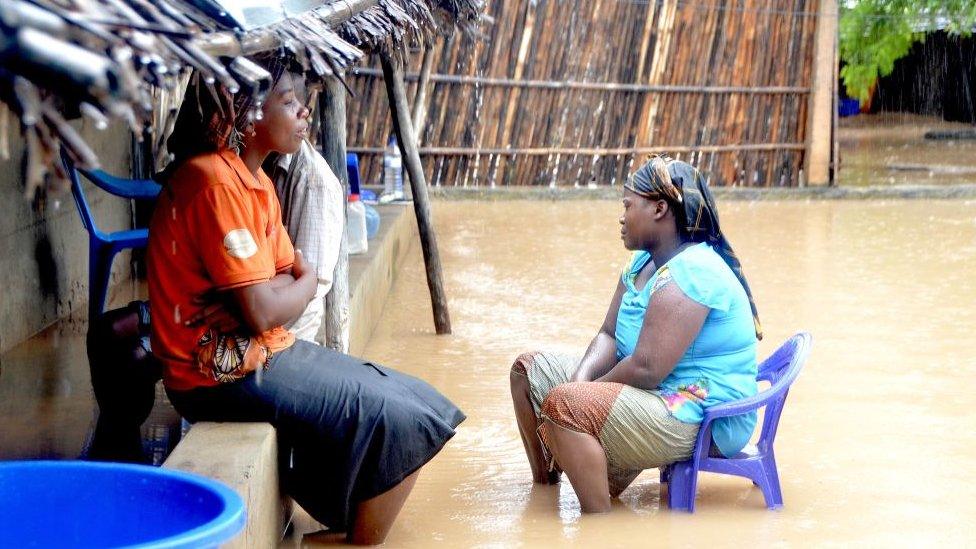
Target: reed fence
{"x":574,"y":92}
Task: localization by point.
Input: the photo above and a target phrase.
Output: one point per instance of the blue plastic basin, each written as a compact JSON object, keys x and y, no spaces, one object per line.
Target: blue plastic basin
{"x":89,"y":504}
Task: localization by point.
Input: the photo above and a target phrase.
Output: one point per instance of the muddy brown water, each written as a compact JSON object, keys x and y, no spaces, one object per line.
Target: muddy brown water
{"x":878,"y":434}
{"x":875,"y":445}
{"x":891,"y":149}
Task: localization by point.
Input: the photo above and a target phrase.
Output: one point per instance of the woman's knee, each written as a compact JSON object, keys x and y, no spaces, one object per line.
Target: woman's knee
{"x":519,"y":374}
{"x":522,"y":364}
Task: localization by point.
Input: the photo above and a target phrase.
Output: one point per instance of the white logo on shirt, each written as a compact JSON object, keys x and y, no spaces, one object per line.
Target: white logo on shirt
{"x":240,"y":244}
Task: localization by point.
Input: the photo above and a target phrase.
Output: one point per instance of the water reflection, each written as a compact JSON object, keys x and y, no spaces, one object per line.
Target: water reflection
{"x":49,"y":410}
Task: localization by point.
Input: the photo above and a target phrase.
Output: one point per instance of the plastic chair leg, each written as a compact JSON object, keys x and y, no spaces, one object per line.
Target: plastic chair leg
{"x":682,"y":486}
{"x":770,"y":483}
{"x":99,"y":272}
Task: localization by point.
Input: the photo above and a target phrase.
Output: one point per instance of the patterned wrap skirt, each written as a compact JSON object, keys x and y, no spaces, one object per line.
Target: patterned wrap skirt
{"x":634,"y":426}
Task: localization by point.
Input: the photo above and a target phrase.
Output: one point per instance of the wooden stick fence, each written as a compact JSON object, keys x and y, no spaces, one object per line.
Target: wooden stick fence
{"x":569,"y":92}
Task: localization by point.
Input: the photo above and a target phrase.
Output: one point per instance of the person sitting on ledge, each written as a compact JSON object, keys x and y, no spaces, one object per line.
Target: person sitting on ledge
{"x":223,"y":281}
{"x":680,"y":336}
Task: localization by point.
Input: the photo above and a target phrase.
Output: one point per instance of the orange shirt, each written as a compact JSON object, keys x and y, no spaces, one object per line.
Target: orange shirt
{"x":215,"y":227}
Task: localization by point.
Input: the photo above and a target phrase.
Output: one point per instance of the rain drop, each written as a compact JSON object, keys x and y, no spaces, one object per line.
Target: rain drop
{"x":174,"y":247}
{"x":176,"y":314}
{"x":173,"y":211}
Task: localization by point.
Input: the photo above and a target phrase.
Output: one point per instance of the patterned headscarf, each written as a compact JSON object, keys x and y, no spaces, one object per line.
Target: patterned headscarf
{"x":212,"y":118}
{"x":685,"y":189}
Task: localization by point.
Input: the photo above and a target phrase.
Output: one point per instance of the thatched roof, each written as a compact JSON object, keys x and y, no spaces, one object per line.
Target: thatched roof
{"x":102,"y":58}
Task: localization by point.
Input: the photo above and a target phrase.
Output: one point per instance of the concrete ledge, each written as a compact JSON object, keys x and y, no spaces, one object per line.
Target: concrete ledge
{"x":243,"y":456}
{"x":371,"y":274}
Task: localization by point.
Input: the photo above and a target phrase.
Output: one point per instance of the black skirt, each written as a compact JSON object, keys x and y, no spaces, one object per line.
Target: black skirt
{"x":348,"y":429}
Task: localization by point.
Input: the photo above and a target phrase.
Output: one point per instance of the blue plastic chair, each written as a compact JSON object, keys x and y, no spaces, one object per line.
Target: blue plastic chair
{"x":756,"y":462}
{"x":102,"y":246}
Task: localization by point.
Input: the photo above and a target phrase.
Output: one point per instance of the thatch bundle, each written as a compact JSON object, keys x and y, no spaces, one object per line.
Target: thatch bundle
{"x":105,"y":59}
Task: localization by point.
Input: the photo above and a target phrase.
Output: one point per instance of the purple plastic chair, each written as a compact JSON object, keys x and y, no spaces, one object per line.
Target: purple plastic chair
{"x":755,"y":462}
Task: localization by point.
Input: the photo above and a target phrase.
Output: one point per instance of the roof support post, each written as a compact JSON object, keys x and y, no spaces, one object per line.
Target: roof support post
{"x":823,"y":99}
{"x":332,"y":140}
{"x":403,"y":126}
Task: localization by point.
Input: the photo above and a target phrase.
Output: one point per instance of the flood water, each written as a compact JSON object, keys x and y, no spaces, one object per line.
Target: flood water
{"x":48,"y":409}
{"x":891,"y":149}
{"x":876,"y":442}
{"x":879,"y":433}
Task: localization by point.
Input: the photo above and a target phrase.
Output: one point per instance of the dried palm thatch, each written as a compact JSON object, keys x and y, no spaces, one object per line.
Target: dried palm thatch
{"x":103,"y":59}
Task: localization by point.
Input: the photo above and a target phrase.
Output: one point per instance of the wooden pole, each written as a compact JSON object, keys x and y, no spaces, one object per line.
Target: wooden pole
{"x":403,"y":126}
{"x":820,"y":122}
{"x":420,"y":102}
{"x":332,"y":138}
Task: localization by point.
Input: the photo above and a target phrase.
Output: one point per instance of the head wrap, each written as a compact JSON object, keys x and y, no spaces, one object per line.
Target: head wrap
{"x":212,"y":118}
{"x":686,"y":191}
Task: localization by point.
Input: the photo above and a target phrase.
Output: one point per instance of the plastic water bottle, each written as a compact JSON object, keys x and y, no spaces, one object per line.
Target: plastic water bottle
{"x":372,"y":221}
{"x":356,"y":225}
{"x":392,"y":171}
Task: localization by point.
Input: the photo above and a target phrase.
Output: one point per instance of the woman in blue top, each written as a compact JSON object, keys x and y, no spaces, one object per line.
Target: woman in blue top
{"x":680,"y":336}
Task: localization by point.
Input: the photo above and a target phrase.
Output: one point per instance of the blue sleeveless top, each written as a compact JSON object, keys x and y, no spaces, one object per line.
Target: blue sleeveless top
{"x":720,"y":364}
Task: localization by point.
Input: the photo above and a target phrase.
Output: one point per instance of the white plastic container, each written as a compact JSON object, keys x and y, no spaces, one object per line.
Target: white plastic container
{"x":392,"y":172}
{"x":356,"y":226}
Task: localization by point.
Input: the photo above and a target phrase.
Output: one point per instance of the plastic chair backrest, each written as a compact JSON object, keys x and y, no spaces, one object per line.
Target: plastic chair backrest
{"x":79,"y":195}
{"x":136,"y":189}
{"x":781,"y":369}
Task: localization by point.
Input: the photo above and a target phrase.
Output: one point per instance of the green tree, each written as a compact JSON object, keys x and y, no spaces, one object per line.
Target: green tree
{"x":876,"y":33}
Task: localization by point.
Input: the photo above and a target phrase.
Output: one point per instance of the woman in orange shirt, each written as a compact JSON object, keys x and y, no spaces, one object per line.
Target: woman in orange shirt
{"x":224,"y":279}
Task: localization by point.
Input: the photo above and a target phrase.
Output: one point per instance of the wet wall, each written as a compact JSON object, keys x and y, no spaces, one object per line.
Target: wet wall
{"x":44,"y":256}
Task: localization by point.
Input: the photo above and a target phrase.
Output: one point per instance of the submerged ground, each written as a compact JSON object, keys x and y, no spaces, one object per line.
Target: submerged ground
{"x":875,"y":444}
{"x":878,"y":432}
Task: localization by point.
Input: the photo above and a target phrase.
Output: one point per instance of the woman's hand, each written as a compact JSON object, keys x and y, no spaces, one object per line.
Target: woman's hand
{"x":301,"y":267}
{"x":276,"y":302}
{"x":601,"y":355}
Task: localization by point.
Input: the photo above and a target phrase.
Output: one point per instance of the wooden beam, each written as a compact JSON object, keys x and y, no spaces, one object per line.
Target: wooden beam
{"x":823,"y":99}
{"x":460,"y":151}
{"x":403,"y":126}
{"x":332,"y":139}
{"x":592,"y":86}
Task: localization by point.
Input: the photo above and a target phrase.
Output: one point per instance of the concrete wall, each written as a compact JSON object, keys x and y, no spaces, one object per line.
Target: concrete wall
{"x":36,"y":291}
